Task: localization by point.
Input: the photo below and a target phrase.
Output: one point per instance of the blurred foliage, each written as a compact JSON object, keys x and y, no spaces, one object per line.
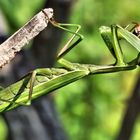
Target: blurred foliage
{"x":3,"y":129}
{"x":92,"y":108}
{"x":18,"y":12}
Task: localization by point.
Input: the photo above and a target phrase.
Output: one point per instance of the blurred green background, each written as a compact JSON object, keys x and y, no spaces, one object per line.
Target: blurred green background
{"x":92,"y":108}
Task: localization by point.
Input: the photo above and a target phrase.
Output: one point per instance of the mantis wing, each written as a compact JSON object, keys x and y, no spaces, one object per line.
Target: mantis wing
{"x":46,"y":80}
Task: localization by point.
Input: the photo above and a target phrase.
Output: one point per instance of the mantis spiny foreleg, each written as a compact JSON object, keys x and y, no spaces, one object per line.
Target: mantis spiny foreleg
{"x":116,"y":46}
{"x":126,"y":33}
{"x":110,"y":37}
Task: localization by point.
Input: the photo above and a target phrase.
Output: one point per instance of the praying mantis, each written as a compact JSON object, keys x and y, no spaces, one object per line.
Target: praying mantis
{"x":44,"y":80}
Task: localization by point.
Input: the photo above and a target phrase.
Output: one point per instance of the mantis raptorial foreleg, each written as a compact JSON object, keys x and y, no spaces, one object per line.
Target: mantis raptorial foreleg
{"x":113,"y":35}
{"x":110,"y":37}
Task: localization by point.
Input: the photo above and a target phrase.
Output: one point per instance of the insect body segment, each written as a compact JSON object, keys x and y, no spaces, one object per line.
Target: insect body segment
{"x":45,"y":80}
{"x":18,"y":93}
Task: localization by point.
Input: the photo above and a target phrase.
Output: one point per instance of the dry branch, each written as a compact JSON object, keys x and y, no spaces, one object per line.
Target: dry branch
{"x":14,"y":44}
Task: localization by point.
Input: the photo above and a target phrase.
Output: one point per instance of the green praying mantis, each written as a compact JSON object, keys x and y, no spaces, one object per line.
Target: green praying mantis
{"x":44,"y":80}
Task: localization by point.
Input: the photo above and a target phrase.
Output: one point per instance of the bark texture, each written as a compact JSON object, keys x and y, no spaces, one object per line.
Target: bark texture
{"x":14,"y":44}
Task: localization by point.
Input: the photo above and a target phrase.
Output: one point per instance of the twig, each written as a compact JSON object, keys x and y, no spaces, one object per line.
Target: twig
{"x":14,"y":44}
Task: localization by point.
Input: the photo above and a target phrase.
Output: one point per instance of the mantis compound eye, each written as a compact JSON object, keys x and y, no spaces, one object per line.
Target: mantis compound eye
{"x":137,"y":30}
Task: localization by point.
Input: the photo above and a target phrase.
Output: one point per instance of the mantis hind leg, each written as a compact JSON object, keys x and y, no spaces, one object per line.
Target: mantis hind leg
{"x":68,"y":46}
{"x":31,"y":82}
